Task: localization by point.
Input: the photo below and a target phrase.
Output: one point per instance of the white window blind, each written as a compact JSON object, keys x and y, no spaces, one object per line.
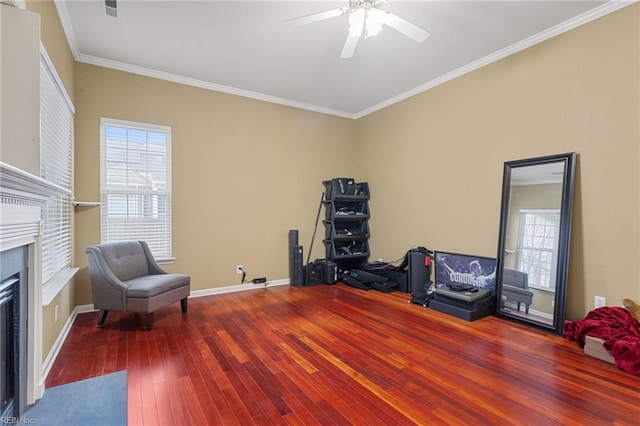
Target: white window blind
{"x":56,"y":166}
{"x":136,"y":184}
{"x":538,"y":246}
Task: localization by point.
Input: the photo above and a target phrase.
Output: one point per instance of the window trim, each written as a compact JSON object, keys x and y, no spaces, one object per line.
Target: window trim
{"x":147,"y":127}
{"x":56,"y":77}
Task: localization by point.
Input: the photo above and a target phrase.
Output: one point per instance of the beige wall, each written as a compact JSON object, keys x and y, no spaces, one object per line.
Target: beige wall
{"x":54,"y":40}
{"x":55,"y":43}
{"x":244,"y":172}
{"x":434,"y":162}
{"x":20,"y":89}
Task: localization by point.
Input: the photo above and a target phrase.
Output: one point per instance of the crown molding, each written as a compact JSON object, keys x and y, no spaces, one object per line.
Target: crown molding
{"x":561,"y":28}
{"x":147,"y":72}
{"x":67,"y":27}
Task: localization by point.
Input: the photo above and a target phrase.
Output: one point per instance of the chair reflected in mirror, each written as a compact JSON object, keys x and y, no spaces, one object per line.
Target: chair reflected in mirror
{"x":515,"y":287}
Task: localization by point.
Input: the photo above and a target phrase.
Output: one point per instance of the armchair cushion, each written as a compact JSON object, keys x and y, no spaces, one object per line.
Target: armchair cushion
{"x":152,"y":285}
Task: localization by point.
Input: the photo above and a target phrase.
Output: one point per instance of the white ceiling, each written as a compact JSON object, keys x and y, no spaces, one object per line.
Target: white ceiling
{"x":245,"y":48}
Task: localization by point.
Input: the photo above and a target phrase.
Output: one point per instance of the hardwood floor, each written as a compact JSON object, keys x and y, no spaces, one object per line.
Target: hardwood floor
{"x":337,"y":355}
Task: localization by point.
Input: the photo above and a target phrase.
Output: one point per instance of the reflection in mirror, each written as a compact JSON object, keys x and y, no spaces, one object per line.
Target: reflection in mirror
{"x":534,"y":240}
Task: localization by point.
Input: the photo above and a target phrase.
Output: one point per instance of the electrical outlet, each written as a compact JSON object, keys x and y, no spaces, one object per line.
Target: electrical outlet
{"x":599,"y":301}
{"x":239,"y":269}
{"x":55,"y":313}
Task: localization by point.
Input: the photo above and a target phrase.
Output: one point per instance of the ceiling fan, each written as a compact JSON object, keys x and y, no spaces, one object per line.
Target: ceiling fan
{"x":365,"y":18}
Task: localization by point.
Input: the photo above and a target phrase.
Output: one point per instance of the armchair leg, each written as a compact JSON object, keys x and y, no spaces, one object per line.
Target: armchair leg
{"x":183,"y":305}
{"x":149,"y":321}
{"x":526,"y":308}
{"x":518,"y":306}
{"x":102,"y":316}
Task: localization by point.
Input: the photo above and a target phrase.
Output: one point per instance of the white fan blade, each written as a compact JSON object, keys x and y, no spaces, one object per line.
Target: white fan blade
{"x":405,"y":27}
{"x":349,"y":46}
{"x":315,"y":17}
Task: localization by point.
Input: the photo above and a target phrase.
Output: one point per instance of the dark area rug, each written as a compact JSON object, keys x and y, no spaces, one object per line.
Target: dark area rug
{"x":97,"y":401}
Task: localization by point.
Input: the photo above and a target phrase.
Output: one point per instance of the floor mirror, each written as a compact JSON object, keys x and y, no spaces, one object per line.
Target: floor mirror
{"x":533,"y":246}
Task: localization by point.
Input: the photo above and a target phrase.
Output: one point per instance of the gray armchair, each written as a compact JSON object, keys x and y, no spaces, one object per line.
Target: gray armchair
{"x":515,"y":286}
{"x":125,"y":277}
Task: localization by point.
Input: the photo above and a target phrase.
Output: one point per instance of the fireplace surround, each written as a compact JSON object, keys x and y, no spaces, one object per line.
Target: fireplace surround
{"x":21,"y":198}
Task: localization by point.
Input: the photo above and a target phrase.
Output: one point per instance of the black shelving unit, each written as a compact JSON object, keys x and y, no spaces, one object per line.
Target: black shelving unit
{"x":346,"y":222}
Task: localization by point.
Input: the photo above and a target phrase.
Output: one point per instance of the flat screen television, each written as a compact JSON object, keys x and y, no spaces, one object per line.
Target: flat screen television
{"x":456,"y":268}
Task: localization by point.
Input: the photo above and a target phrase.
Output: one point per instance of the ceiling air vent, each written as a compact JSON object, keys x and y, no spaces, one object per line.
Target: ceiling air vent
{"x":112,"y":7}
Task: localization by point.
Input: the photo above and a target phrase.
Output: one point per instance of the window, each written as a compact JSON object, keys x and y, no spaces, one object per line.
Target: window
{"x":538,"y":246}
{"x":136,"y":184}
{"x":56,"y":166}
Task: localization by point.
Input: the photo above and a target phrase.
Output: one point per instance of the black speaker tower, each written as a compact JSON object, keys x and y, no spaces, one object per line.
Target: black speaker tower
{"x":418,"y":272}
{"x":293,"y":241}
{"x":298,"y":270}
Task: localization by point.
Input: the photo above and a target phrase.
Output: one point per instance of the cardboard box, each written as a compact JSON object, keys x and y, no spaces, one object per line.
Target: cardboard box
{"x":593,"y":347}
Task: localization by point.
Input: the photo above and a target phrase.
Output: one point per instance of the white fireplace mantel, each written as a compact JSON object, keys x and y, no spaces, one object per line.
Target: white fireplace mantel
{"x":22,"y":195}
{"x":26,"y":186}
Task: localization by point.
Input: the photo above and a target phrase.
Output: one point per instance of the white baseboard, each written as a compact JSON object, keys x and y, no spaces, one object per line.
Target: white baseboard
{"x":53,"y":353}
{"x":240,"y":287}
{"x":81,"y":309}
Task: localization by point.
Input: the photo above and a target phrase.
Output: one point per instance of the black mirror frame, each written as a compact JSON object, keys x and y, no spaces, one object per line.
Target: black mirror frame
{"x":563,"y":238}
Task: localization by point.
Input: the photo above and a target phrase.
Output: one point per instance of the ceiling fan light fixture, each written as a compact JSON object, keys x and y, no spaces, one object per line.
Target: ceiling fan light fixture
{"x":365,"y":18}
{"x":357,"y":22}
{"x":373,"y":22}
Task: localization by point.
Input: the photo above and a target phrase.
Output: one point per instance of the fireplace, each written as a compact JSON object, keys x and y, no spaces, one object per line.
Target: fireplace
{"x":21,"y":198}
{"x":13,"y":331}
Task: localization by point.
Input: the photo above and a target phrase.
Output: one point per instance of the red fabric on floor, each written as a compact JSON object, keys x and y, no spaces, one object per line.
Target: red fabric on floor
{"x":618,"y":328}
